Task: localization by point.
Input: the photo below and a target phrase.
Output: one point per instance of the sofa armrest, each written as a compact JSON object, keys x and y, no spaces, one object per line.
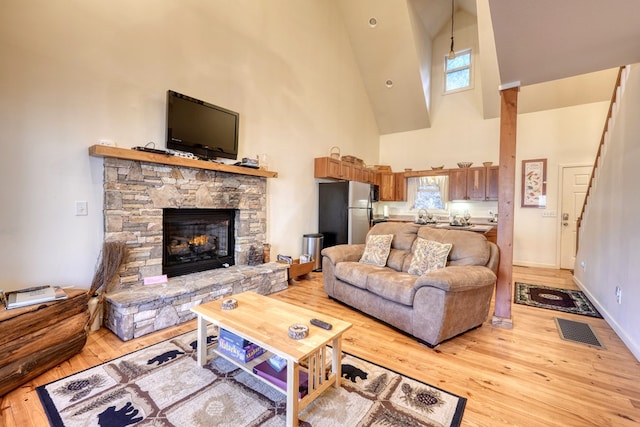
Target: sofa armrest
{"x":340,"y":253}
{"x":457,"y":278}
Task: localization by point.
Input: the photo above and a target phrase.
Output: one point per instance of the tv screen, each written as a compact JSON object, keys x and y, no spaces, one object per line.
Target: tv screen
{"x":204,"y":129}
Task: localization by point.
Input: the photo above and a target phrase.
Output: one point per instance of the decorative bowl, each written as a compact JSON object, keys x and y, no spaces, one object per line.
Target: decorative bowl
{"x":435,"y":168}
{"x":464,"y":164}
{"x":487,"y":164}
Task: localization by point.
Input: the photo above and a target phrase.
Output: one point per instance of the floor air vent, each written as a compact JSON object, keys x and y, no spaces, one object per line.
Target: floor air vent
{"x":579,"y":332}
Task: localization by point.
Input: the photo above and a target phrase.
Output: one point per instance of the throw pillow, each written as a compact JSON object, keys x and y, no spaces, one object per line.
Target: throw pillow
{"x":377,"y":249}
{"x":428,"y":255}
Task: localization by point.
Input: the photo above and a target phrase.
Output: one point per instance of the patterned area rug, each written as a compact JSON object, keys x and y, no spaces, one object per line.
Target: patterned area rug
{"x":162,"y":385}
{"x":566,"y":300}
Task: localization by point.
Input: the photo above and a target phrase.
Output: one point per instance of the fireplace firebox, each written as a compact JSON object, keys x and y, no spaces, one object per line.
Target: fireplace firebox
{"x":197,"y":240}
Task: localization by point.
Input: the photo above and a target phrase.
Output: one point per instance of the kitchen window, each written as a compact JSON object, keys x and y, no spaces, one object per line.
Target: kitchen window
{"x":458,"y":72}
{"x":428,"y":192}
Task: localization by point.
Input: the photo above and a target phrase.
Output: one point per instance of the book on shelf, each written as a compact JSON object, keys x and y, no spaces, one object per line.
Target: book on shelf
{"x":241,"y":354}
{"x":279,"y":378}
{"x":35,"y":295}
{"x":233,"y":339}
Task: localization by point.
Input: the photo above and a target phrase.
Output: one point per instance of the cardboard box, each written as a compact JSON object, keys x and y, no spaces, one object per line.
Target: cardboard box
{"x":241,"y":354}
{"x":279,"y":378}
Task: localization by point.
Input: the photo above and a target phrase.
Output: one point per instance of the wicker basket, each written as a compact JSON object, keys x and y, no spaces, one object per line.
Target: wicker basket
{"x":348,"y":159}
{"x":334,"y":153}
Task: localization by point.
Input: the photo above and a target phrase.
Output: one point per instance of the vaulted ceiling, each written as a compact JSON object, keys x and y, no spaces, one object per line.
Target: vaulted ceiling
{"x":545,"y":43}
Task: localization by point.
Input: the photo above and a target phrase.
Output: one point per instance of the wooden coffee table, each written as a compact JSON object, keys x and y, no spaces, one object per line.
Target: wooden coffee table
{"x":265,"y":321}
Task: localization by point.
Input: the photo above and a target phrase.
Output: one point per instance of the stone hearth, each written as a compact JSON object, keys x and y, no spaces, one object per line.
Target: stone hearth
{"x":135,"y":194}
{"x":141,"y":310}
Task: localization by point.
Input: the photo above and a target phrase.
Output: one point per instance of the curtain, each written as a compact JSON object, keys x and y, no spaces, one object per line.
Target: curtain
{"x":427,"y":185}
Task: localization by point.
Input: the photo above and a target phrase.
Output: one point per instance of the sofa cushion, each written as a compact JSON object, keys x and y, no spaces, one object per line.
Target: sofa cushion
{"x":469,"y":247}
{"x":404,"y":234}
{"x":397,"y":258}
{"x":355,"y":273}
{"x":376,"y":250}
{"x":428,"y":255}
{"x":392,"y":285}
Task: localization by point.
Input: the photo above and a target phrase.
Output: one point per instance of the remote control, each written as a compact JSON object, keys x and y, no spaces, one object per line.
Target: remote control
{"x":321,"y":324}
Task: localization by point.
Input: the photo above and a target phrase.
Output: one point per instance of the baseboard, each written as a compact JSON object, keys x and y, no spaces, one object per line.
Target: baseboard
{"x":534,"y":264}
{"x":633,"y":347}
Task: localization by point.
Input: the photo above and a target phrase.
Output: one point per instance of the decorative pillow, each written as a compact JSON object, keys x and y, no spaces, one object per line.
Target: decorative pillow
{"x":377,"y":249}
{"x":428,"y":255}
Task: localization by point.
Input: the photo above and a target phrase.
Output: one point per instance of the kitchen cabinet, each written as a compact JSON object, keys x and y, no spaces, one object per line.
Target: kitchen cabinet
{"x":458,"y":184}
{"x":400,"y":186}
{"x":467,"y":184}
{"x":346,"y":171}
{"x":326,"y":167}
{"x":491,"y":191}
{"x":393,"y":186}
{"x":330,"y":168}
{"x":476,"y":183}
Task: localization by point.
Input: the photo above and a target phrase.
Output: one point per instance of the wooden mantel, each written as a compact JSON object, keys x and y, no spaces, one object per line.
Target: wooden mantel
{"x":165,"y":159}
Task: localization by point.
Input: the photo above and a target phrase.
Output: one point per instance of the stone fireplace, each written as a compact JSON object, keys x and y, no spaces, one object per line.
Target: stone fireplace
{"x":196,"y":240}
{"x":139,"y":198}
{"x":137,"y":193}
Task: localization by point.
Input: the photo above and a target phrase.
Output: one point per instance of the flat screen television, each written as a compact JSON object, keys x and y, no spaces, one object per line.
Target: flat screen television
{"x":201,"y":128}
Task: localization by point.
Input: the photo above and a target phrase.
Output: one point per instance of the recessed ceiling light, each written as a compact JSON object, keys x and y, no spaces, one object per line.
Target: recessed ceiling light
{"x":389,"y":83}
{"x":373,"y":22}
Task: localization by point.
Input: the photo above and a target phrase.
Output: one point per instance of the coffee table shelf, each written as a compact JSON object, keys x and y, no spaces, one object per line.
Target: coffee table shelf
{"x":265,"y":321}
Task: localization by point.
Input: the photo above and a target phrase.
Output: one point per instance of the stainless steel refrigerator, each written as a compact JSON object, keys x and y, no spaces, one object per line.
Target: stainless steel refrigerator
{"x":344,"y":212}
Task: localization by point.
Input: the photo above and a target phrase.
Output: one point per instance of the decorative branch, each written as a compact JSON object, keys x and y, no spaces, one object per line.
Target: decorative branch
{"x":110,"y":260}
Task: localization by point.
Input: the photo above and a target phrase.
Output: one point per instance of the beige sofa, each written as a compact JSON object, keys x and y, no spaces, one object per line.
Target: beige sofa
{"x":433,"y":307}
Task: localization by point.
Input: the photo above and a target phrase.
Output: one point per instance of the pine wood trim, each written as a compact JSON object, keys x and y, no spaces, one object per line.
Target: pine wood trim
{"x":506,"y":197}
{"x":164,"y":159}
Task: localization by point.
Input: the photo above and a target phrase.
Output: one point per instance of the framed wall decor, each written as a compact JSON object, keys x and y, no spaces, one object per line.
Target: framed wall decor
{"x":534,"y":183}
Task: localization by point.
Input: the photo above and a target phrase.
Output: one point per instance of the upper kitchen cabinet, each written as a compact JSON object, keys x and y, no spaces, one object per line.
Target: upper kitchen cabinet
{"x":330,"y":168}
{"x":476,"y":183}
{"x":480,"y":184}
{"x":393,"y":186}
{"x":326,"y":167}
{"x":491,"y":191}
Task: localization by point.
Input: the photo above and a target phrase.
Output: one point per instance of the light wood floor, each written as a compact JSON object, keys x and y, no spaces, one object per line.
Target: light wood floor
{"x":525,"y":376}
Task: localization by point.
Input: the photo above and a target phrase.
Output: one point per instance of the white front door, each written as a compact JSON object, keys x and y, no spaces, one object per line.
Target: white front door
{"x":575,"y":181}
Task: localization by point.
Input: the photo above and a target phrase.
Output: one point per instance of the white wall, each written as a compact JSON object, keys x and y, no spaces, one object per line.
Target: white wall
{"x":565,"y":136}
{"x":609,"y":241}
{"x":460,"y":133}
{"x":77,"y":72}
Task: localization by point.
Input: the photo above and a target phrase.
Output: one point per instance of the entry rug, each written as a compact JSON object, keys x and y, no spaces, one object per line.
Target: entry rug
{"x":162,"y":385}
{"x":565,"y":300}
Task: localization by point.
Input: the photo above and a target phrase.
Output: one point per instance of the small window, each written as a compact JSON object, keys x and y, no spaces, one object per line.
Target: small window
{"x":428,"y":192}
{"x":457,"y":72}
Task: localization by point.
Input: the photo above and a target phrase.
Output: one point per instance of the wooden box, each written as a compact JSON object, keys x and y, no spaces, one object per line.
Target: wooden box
{"x":36,"y":338}
{"x":297,"y":269}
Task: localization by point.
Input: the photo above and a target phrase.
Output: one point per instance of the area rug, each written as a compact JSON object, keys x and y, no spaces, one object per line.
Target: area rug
{"x":162,"y":385}
{"x":565,"y":300}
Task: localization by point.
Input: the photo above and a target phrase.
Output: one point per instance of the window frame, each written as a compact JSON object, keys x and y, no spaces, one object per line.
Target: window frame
{"x":413,"y":188}
{"x":446,"y":73}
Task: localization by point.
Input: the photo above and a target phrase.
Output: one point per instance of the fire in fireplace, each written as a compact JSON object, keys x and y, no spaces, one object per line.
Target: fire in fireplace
{"x":197,"y":240}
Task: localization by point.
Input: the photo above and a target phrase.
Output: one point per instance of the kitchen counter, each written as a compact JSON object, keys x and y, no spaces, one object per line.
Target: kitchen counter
{"x":480,"y":225}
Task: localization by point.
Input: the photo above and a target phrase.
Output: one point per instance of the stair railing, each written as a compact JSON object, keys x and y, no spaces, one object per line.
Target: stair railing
{"x":617,"y":92}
